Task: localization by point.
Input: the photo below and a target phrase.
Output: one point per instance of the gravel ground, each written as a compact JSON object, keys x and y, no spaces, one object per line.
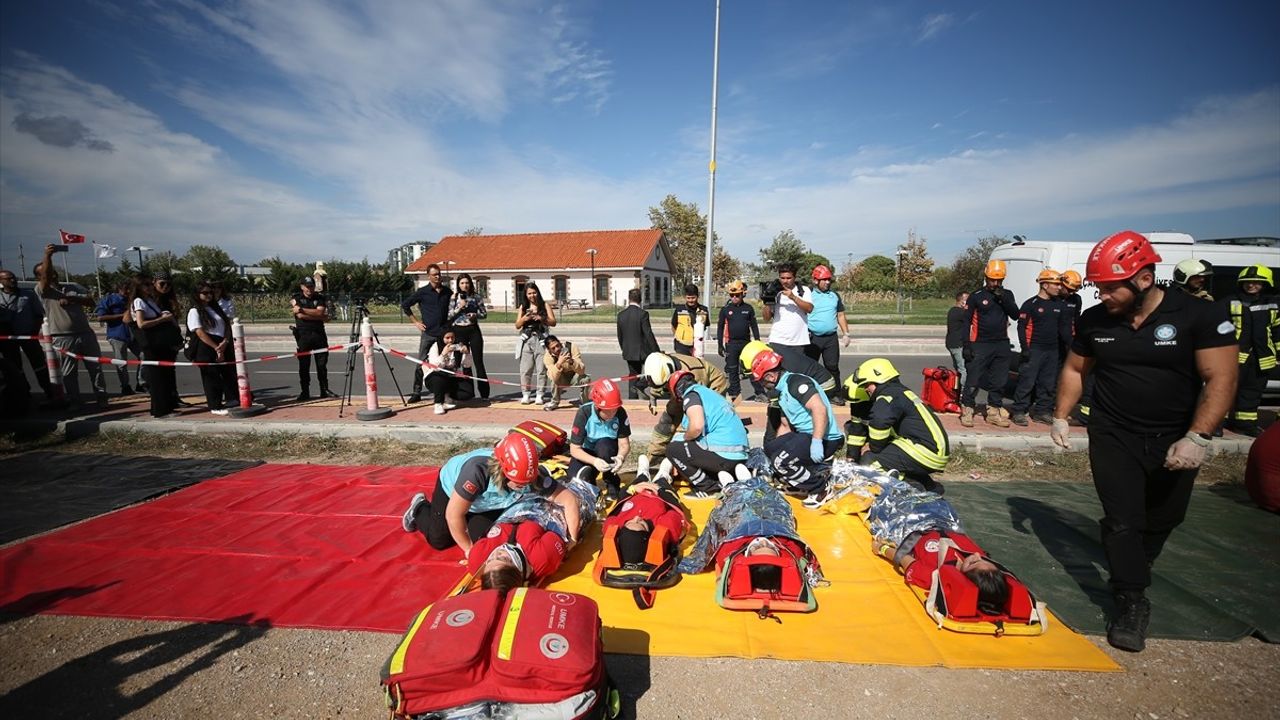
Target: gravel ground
{"x":70,"y":667}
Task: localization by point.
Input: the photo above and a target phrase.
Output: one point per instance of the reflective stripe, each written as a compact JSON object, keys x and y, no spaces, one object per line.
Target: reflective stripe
{"x":879,"y":433}
{"x":397,"y":659}
{"x":1244,"y":415}
{"x":509,"y":623}
{"x":855,"y":440}
{"x":935,"y":430}
{"x":1242,"y":358}
{"x":921,"y":454}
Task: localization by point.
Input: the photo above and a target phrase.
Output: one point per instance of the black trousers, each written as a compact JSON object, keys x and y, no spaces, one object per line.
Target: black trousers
{"x":1142,"y":501}
{"x":13,"y":350}
{"x":1038,"y":373}
{"x":733,"y":365}
{"x":699,"y":466}
{"x":989,"y":371}
{"x":681,"y":348}
{"x":473,"y":338}
{"x":1249,"y":393}
{"x":162,"y":382}
{"x":605,"y":449}
{"x":892,"y":457}
{"x":221,"y":388}
{"x":431,"y":523}
{"x":424,"y":348}
{"x":313,"y":340}
{"x":636,"y":368}
{"x":789,"y":454}
{"x":443,"y":385}
{"x":826,"y":350}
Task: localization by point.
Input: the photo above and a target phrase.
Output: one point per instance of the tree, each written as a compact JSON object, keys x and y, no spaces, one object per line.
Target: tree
{"x":686,"y":232}
{"x":786,"y":248}
{"x":284,"y":276}
{"x":874,"y":274}
{"x":210,"y":263}
{"x":916,"y":267}
{"x":809,"y":261}
{"x":473,"y":231}
{"x":967,"y":268}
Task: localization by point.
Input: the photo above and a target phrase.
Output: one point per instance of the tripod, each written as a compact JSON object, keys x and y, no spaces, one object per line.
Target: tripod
{"x":359,"y":312}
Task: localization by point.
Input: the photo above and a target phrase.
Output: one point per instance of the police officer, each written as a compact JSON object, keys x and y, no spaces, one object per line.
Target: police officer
{"x":658,"y":368}
{"x":903,"y":434}
{"x":1044,"y":329}
{"x":806,"y":436}
{"x":987,"y":314}
{"x":826,"y":318}
{"x":711,"y":447}
{"x":1166,"y":373}
{"x":1254,"y":313}
{"x":1192,"y":276}
{"x":310,"y":312}
{"x":736,"y":327}
{"x":685,"y":318}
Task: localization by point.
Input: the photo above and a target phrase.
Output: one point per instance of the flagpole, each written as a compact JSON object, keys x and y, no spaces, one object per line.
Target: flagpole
{"x":711,"y":203}
{"x":97,"y":275}
{"x":22,"y":261}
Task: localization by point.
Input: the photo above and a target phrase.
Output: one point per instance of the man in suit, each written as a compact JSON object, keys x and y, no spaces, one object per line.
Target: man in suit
{"x":635,"y":336}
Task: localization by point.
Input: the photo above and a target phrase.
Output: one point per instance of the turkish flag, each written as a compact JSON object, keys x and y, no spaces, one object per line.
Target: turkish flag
{"x":69,"y":238}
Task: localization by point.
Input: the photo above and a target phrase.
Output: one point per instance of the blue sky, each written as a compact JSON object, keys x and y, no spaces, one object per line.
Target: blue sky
{"x":317,"y":129}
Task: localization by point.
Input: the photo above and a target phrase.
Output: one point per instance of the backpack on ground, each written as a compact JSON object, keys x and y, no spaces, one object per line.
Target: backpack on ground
{"x":550,"y":439}
{"x":529,"y":654}
{"x":941,"y":391}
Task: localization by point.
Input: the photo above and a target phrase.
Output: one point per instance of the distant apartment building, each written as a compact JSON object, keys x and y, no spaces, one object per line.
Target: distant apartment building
{"x":403,"y":256}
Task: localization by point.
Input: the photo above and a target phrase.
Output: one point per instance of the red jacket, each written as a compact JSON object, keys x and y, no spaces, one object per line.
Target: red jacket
{"x":920,"y":573}
{"x":654,"y":509}
{"x":733,"y":546}
{"x":543,"y":549}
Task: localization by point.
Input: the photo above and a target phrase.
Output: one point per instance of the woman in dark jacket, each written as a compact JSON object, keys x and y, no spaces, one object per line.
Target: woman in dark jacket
{"x":465,"y":313}
{"x":155,"y":313}
{"x":213,"y":334}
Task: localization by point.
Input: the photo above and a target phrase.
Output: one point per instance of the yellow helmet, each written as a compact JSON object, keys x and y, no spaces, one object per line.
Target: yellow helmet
{"x":737,"y":287}
{"x":658,"y":367}
{"x":1257,"y":273}
{"x":875,"y":370}
{"x":750,"y":351}
{"x":855,"y":392}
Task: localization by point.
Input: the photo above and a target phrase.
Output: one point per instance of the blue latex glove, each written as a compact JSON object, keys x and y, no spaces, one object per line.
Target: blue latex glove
{"x":815,"y":450}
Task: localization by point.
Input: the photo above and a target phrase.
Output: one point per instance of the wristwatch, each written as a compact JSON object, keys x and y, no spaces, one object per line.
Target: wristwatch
{"x":1199,"y":438}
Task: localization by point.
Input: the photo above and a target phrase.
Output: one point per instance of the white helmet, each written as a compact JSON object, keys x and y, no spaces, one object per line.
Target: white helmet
{"x":658,"y":367}
{"x":1189,"y":268}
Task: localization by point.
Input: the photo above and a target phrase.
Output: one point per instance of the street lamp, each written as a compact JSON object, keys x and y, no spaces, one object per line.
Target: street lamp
{"x":592,"y":252}
{"x":901,"y":254}
{"x":140,"y":250}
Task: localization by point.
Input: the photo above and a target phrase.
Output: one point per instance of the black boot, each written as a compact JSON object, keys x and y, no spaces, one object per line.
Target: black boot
{"x":325,"y":392}
{"x":305,"y":394}
{"x":1128,"y":627}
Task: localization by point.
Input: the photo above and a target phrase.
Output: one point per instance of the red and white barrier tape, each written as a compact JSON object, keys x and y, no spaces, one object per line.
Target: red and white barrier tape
{"x":184,"y":363}
{"x":428,"y":367}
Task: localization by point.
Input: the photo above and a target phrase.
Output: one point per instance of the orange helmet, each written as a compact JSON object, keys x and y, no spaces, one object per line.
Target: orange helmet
{"x":518,"y":457}
{"x":1071,"y":280}
{"x":605,"y":395}
{"x":1049,"y":276}
{"x":822,"y":272}
{"x":1120,"y":257}
{"x":764,"y":362}
{"x":996,"y":269}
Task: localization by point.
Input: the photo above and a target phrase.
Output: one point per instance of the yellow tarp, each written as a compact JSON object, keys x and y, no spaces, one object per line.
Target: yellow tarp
{"x":866,"y":615}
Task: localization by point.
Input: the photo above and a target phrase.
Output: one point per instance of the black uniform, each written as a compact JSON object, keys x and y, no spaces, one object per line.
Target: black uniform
{"x":311,"y":336}
{"x":1044,"y":330}
{"x":736,"y":328}
{"x":987,"y":314}
{"x":903,"y":434}
{"x":1256,"y":323}
{"x":1145,"y":395}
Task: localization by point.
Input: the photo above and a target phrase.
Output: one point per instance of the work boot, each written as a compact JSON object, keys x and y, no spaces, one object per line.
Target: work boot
{"x":1019,"y":419}
{"x":1042,"y":418}
{"x":966,"y":416}
{"x":997,"y":418}
{"x":304,"y":395}
{"x":327,"y":393}
{"x":415,"y":397}
{"x":1128,"y":628}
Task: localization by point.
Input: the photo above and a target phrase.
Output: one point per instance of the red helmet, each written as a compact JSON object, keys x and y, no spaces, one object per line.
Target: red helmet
{"x":517,"y":454}
{"x":764,"y":362}
{"x":1119,"y":257}
{"x":605,"y":395}
{"x":822,"y":272}
{"x":676,"y":379}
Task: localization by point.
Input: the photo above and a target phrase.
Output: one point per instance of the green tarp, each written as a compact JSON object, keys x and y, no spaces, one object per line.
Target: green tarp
{"x":1217,"y":579}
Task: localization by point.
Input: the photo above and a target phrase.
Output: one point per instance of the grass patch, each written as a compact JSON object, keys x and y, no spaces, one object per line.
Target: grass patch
{"x":1065,"y":467}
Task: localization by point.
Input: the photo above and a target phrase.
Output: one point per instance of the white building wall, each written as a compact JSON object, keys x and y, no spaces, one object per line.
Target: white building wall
{"x":501,"y":286}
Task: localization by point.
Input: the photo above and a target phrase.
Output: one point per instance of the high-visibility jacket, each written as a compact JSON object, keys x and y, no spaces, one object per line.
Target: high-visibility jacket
{"x":899,"y":417}
{"x":1257,"y":321}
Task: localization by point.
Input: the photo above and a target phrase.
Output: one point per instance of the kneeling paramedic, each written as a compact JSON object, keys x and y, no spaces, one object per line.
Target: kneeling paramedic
{"x":658,"y":368}
{"x":601,"y":437}
{"x":903,"y":434}
{"x":807,"y":436}
{"x":798,"y":363}
{"x":711,"y":447}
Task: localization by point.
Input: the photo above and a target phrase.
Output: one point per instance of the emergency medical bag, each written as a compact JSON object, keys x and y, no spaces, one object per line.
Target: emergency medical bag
{"x":736,"y":591}
{"x":550,"y":439}
{"x":530,"y":654}
{"x":941,"y":391}
{"x":952,"y":599}
{"x":658,"y":571}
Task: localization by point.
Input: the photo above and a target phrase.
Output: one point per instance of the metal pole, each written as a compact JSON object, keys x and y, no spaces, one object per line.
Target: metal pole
{"x":711,"y":203}
{"x":97,"y":274}
{"x":22,"y":261}
{"x":593,"y":281}
{"x":371,"y":411}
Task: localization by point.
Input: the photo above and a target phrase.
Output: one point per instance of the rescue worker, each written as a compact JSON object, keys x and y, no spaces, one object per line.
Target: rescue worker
{"x":685,"y":317}
{"x":310,"y":313}
{"x":736,"y":327}
{"x":1254,"y":313}
{"x":1166,"y":374}
{"x":1071,"y":284}
{"x":855,"y":428}
{"x":801,"y":364}
{"x":988,"y":313}
{"x":807,"y":435}
{"x":658,"y":368}
{"x":601,"y":437}
{"x":1044,"y":330}
{"x":826,"y":318}
{"x":903,"y":434}
{"x":711,"y":447}
{"x":1192,"y":276}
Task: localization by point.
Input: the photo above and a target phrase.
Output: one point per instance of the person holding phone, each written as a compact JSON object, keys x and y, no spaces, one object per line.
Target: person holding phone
{"x":70,"y":328}
{"x":155,"y":314}
{"x":533,"y":318}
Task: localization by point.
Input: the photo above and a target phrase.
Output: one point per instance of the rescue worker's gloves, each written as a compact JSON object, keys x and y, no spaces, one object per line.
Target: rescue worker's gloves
{"x":816,"y":452}
{"x":602,"y":465}
{"x":1061,"y":432}
{"x":967,"y":353}
{"x":1186,"y":454}
{"x":847,"y":339}
{"x":617,"y":464}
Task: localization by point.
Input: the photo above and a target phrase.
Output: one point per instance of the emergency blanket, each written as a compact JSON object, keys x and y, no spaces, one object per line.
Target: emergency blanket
{"x":283,"y":545}
{"x":750,"y":508}
{"x":549,"y":515}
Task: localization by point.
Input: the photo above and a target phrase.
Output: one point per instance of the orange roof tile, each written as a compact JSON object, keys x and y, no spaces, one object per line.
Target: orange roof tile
{"x":541,"y":251}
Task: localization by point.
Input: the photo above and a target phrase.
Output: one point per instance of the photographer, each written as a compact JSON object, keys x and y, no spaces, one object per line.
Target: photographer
{"x":788,"y":305}
{"x":564,"y":367}
{"x":533,"y":317}
{"x":448,"y":356}
{"x":465,"y":314}
{"x":311,"y":311}
{"x":432,"y":301}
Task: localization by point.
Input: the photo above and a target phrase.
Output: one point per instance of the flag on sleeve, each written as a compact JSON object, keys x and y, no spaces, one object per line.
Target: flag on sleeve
{"x":70,"y":238}
{"x":105,"y":251}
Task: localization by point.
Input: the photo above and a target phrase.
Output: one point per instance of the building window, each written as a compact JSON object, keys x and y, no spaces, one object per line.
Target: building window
{"x":482,"y":286}
{"x":518,"y":281}
{"x":602,"y":288}
{"x":644,"y":282}
{"x":561,"y":283}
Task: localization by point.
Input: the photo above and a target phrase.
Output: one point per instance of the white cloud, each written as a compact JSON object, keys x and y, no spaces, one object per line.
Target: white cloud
{"x":933,"y":25}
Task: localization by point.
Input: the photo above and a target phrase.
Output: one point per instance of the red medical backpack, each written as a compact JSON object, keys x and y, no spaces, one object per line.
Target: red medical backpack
{"x":530,"y":653}
{"x":941,"y":391}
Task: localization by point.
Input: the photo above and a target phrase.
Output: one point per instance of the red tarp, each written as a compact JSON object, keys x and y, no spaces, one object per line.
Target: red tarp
{"x":287,"y":545}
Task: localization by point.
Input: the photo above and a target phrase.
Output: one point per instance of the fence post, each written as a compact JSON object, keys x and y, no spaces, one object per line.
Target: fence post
{"x":371,"y":411}
{"x":247,"y":406}
{"x":53,"y":363}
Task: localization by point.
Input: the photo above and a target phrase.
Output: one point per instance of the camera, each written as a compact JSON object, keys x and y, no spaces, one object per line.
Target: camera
{"x":60,"y":248}
{"x":769,"y":295}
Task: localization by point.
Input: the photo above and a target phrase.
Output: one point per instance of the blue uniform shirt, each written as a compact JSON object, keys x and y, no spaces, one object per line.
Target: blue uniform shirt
{"x":826,"y":305}
{"x":723,"y":433}
{"x":794,"y":390}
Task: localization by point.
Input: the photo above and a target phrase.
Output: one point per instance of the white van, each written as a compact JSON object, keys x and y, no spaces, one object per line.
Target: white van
{"x":1026,"y":259}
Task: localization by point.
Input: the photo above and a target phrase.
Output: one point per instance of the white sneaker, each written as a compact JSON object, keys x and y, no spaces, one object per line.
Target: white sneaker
{"x":220,"y":411}
{"x":664,"y":469}
{"x":439,"y":409}
{"x":741,"y":471}
{"x":448,"y":405}
{"x":642,"y":467}
{"x":725,"y":478}
{"x":538,"y":399}
{"x":525,"y":399}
